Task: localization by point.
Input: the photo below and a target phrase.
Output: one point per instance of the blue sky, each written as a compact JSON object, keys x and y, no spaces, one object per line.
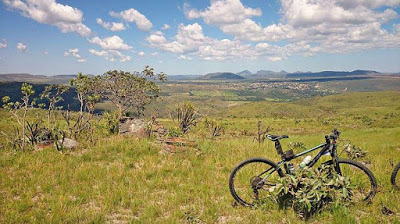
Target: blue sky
{"x":48,"y":37}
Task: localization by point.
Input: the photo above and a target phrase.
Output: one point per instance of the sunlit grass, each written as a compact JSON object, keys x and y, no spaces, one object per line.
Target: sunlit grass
{"x":125,"y":179}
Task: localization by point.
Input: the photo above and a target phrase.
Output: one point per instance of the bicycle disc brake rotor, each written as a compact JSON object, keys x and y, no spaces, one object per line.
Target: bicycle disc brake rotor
{"x":256,"y":182}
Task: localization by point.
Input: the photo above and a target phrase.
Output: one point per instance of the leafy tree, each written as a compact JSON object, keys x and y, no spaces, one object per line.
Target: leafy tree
{"x":53,"y":93}
{"x":131,"y":90}
{"x":88,"y":89}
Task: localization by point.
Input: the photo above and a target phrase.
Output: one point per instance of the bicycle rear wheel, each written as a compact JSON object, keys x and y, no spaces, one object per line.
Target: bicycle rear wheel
{"x":245,"y":181}
{"x":361,"y":178}
{"x":395,"y":179}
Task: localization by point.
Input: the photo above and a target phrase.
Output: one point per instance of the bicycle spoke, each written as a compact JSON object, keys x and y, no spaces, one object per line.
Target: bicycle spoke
{"x":248,"y":186}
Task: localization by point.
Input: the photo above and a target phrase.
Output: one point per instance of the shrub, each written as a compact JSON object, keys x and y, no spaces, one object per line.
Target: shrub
{"x":186,"y":116}
{"x":112,"y":122}
{"x":310,"y":190}
{"x":354,"y":152}
{"x":213,"y":128}
{"x":174,"y":132}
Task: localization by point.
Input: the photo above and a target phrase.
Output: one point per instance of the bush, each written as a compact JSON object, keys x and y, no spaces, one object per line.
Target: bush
{"x":311,"y":190}
{"x":215,"y":129}
{"x":187,"y":117}
{"x":354,"y":152}
{"x":112,"y":122}
{"x":174,"y":132}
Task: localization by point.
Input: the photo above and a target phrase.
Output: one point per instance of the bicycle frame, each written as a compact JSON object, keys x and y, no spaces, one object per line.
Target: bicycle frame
{"x":327,"y":147}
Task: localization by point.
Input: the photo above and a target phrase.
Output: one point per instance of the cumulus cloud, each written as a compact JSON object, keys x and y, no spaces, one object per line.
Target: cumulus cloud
{"x":165,"y":27}
{"x":74,"y":52}
{"x":65,"y":17}
{"x":21,"y":47}
{"x":330,"y":26}
{"x":111,"y":55}
{"x":111,"y":43}
{"x":141,"y":53}
{"x":190,"y":40}
{"x":3,"y":43}
{"x":223,"y":12}
{"x":113,"y":26}
{"x":133,"y":16}
{"x":155,"y":54}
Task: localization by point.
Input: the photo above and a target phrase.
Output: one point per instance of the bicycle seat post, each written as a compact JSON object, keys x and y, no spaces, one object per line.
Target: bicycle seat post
{"x":278,"y":147}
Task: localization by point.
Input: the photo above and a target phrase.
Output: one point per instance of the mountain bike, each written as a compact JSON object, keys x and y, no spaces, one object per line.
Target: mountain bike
{"x":395,"y":179}
{"x":251,"y":179}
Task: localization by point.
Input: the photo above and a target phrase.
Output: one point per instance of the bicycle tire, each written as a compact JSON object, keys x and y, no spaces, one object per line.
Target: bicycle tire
{"x":366,"y":171}
{"x":394,"y":175}
{"x":243,"y":164}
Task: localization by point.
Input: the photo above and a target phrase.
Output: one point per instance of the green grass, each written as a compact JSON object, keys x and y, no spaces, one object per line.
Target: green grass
{"x":125,"y":179}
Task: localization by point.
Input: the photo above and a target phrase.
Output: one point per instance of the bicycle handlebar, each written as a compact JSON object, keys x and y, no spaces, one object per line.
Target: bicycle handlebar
{"x":335,"y":135}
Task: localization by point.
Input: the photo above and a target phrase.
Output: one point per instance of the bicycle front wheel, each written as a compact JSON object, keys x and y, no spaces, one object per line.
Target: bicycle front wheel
{"x":395,"y":179}
{"x":361,"y":178}
{"x":250,"y":181}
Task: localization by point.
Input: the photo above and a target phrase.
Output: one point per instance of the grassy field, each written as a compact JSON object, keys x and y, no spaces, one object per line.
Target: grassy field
{"x":127,"y":180}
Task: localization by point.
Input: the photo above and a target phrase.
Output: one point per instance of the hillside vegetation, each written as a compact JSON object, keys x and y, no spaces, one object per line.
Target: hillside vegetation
{"x":123,"y":179}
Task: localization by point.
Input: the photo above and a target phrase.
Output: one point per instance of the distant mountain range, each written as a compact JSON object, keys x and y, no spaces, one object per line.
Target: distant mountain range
{"x":331,"y":74}
{"x":25,"y":77}
{"x":268,"y":74}
{"x":221,"y":76}
{"x":246,"y":74}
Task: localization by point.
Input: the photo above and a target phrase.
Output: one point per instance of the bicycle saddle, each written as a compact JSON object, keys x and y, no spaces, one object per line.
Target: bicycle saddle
{"x":276,"y":137}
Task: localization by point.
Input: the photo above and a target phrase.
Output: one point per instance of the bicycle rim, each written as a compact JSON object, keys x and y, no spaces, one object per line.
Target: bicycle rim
{"x":246,"y":183}
{"x":395,"y":177}
{"x":362,"y":180}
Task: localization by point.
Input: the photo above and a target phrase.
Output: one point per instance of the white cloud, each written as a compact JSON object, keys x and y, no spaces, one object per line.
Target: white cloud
{"x":223,"y":12}
{"x":330,"y":26}
{"x":46,"y":52}
{"x":141,"y":53}
{"x":21,"y":47}
{"x":274,"y":58}
{"x":165,"y":27}
{"x":184,"y":57}
{"x":65,"y":17}
{"x":98,"y":53}
{"x":188,"y":39}
{"x":3,"y":43}
{"x":74,"y":52}
{"x":111,"y":26}
{"x":111,"y":55}
{"x":155,"y":54}
{"x":133,"y":16}
{"x":111,"y":43}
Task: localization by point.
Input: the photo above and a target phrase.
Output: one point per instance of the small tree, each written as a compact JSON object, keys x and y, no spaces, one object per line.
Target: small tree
{"x":15,"y":107}
{"x":131,"y":90}
{"x":88,"y":90}
{"x":53,"y":93}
